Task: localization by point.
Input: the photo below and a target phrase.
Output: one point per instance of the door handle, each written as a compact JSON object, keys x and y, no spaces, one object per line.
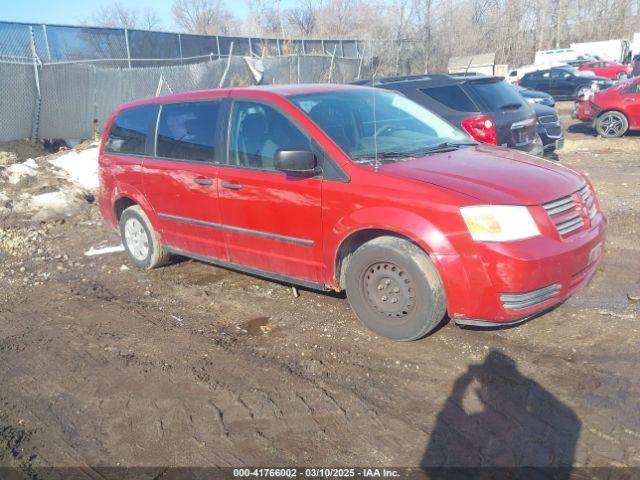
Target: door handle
{"x":203,"y":181}
{"x":232,"y":186}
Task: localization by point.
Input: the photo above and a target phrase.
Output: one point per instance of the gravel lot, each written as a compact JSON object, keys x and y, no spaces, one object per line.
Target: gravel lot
{"x":101,"y":364}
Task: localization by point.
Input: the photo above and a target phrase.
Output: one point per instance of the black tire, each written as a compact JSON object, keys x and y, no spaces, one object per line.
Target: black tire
{"x":612,"y":124}
{"x":622,"y":76}
{"x":389,"y":268}
{"x":154,"y":255}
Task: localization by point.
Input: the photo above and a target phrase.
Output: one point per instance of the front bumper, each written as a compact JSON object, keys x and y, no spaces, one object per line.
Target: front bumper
{"x":483,"y":288}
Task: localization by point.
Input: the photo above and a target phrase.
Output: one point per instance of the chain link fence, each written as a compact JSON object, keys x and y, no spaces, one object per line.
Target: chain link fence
{"x":62,"y":81}
{"x":62,"y":43}
{"x":73,"y":100}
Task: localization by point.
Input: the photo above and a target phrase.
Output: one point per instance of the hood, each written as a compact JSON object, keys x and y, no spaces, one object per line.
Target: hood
{"x":543,"y":110}
{"x":491,"y":175}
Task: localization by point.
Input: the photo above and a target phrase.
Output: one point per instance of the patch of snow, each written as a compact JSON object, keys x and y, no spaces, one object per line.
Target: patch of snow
{"x":54,"y":204}
{"x":16,"y":172}
{"x":81,"y":168}
{"x":104,"y":250}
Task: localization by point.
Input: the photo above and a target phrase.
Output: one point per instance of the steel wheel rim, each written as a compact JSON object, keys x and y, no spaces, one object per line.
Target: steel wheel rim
{"x":137,"y":239}
{"x":389,"y":290}
{"x":611,"y":124}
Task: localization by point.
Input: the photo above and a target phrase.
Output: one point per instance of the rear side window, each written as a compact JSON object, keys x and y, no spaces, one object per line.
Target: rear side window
{"x":130,"y":129}
{"x":187,"y":131}
{"x":451,"y":96}
{"x":497,"y":96}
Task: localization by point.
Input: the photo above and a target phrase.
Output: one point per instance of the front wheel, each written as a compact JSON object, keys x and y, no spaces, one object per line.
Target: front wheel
{"x":612,"y":124}
{"x":622,"y":76}
{"x":395,"y":289}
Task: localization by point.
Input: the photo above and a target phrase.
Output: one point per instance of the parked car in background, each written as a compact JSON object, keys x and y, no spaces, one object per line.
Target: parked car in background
{"x":612,"y":70}
{"x":549,"y":128}
{"x":486,"y":107}
{"x":563,"y":82}
{"x":535,"y":96}
{"x":614,"y":111}
{"x":348,"y":188}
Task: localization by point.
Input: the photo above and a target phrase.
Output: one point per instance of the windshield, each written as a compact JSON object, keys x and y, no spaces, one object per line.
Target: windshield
{"x":371,"y":124}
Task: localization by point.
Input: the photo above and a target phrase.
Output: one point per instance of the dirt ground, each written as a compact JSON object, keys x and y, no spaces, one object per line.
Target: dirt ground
{"x":191,"y":365}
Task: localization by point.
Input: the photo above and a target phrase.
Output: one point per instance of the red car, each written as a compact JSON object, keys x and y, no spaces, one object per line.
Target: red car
{"x":613,"y":111}
{"x":350,"y":188}
{"x":601,"y":68}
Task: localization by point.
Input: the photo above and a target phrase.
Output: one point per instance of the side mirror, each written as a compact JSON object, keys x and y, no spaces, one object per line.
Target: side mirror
{"x":296,"y":162}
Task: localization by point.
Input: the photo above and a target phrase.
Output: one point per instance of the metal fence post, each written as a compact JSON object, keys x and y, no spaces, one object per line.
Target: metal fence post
{"x":180,"y":47}
{"x":36,"y":110}
{"x":331,"y":64}
{"x":46,"y":42}
{"x":218,"y":45}
{"x":126,"y":40}
{"x":226,"y":69}
{"x":361,"y":60}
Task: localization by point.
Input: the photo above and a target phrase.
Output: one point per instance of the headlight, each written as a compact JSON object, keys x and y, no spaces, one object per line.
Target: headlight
{"x":499,"y":223}
{"x":535,"y":100}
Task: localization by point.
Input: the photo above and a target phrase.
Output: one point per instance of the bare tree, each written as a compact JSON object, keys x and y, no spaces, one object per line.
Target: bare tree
{"x":265,"y":17}
{"x":303,"y":18}
{"x":149,"y":20}
{"x":208,"y":17}
{"x":119,"y":16}
{"x":115,"y":16}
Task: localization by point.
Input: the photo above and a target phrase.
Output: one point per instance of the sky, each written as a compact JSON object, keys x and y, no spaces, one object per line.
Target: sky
{"x":72,"y":12}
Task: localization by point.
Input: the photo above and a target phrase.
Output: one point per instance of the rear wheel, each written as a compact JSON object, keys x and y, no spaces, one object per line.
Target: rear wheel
{"x":140,"y":241}
{"x":395,"y":289}
{"x":612,"y":124}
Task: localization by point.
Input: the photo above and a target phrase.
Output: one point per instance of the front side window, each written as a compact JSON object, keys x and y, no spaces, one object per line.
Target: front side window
{"x":129,"y":131}
{"x":186,"y":131}
{"x":257,"y":132}
{"x":370,"y":123}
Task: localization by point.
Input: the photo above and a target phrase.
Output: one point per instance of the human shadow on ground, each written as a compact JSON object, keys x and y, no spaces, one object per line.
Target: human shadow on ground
{"x":496,"y":419}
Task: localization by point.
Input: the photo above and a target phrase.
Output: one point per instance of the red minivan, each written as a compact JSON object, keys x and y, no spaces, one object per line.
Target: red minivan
{"x":337,"y":187}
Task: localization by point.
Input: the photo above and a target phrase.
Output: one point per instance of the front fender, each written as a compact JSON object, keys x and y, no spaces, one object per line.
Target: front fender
{"x":392,"y":219}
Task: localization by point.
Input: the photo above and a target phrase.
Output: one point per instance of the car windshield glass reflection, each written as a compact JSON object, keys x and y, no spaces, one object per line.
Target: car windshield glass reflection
{"x":376,"y":126}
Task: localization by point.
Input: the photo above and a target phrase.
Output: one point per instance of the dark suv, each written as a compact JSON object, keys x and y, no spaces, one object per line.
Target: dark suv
{"x":563,"y":82}
{"x":486,"y":107}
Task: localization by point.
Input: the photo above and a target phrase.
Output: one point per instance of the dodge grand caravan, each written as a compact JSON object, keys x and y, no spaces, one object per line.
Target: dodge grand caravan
{"x":350,"y":188}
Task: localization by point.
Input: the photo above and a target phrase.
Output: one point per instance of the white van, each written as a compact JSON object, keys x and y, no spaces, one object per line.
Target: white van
{"x":545,"y":57}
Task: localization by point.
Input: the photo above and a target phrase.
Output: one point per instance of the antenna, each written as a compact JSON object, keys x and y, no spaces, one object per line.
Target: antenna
{"x":376,"y":163}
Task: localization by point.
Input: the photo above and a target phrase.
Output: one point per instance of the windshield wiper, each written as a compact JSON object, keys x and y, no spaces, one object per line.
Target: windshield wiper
{"x":371,"y":157}
{"x":445,"y":147}
{"x":388,"y":156}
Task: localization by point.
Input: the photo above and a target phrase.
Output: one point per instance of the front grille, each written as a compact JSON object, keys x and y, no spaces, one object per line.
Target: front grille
{"x":566,"y":214}
{"x":589,"y":200}
{"x":554,"y":131}
{"x":520,"y":301}
{"x":548,"y":119}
